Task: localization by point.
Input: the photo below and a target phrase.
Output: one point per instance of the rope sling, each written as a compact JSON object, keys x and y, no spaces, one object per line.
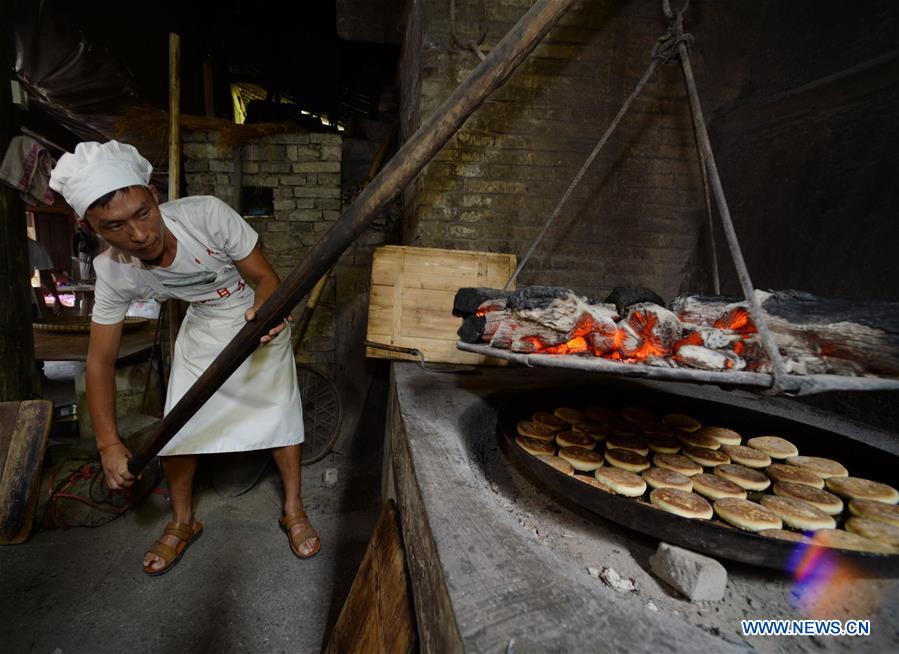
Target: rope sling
{"x":674,"y":45}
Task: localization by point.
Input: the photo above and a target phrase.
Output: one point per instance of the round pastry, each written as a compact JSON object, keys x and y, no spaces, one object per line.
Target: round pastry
{"x":774,"y":446}
{"x":798,"y":514}
{"x":678,"y":463}
{"x":827,"y":502}
{"x":784,"y":534}
{"x":622,"y":428}
{"x":698,"y":439}
{"x":746,"y":515}
{"x":682,"y":503}
{"x":657,"y":429}
{"x":723,"y":435}
{"x":662,"y":444}
{"x":681,"y":422}
{"x":716,"y":488}
{"x":593,"y":481}
{"x":879,"y":531}
{"x":747,"y":456}
{"x":556,"y":462}
{"x":795,"y":474}
{"x":820,"y":466}
{"x":535,"y":445}
{"x":553,"y":422}
{"x":569,"y":415}
{"x":626,"y":460}
{"x":632,"y":443}
{"x":863,"y":489}
{"x":601,"y":414}
{"x":581,"y":458}
{"x":706,"y":457}
{"x":637,"y":414}
{"x":621,"y":481}
{"x":538,"y":430}
{"x":847,"y":541}
{"x":665,"y":478}
{"x":874,"y":510}
{"x":742,"y":476}
{"x":569,"y":438}
{"x":598,"y":432}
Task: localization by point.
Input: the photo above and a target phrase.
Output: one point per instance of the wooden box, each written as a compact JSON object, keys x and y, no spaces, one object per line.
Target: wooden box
{"x":412,"y":293}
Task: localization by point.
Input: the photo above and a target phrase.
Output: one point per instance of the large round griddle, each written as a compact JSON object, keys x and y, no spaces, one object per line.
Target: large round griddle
{"x":707,"y":536}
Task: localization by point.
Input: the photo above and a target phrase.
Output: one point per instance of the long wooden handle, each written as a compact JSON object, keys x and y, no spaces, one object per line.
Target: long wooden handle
{"x":399,"y":171}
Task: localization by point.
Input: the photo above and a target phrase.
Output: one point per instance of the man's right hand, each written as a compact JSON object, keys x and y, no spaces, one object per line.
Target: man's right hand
{"x":115,"y":465}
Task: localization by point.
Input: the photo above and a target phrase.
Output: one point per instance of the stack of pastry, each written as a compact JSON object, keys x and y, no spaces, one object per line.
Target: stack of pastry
{"x":699,"y":471}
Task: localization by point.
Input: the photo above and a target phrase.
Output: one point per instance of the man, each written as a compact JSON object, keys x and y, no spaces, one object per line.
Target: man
{"x":39,"y":260}
{"x":196,"y":249}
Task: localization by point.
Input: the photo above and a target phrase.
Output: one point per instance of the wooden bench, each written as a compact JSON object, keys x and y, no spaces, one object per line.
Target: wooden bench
{"x":24,"y":431}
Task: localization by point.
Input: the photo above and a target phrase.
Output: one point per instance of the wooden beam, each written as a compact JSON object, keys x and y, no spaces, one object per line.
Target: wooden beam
{"x":174,"y":116}
{"x":18,"y":377}
{"x":399,"y":171}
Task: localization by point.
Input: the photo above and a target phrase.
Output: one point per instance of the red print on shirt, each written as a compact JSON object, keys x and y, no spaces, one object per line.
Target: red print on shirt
{"x":241,"y":285}
{"x":223,"y":292}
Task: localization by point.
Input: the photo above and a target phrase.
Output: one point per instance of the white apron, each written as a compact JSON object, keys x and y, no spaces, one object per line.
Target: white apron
{"x":258,"y":407}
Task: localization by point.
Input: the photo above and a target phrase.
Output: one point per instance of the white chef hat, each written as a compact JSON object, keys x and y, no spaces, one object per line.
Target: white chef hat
{"x":96,"y":169}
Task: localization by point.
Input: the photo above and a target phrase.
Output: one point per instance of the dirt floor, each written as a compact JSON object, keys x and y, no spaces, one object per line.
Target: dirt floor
{"x":237,"y":589}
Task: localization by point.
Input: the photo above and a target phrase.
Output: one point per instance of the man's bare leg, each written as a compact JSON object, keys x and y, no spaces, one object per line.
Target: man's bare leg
{"x":179,"y":473}
{"x":288,"y":461}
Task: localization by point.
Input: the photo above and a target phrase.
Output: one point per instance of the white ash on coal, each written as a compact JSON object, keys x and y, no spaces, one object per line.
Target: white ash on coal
{"x":814,"y":335}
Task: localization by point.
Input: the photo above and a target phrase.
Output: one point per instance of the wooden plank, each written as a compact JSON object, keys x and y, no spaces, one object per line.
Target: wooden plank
{"x":412,"y":296}
{"x":8,"y":411}
{"x":377,"y":615}
{"x":22,"y":469}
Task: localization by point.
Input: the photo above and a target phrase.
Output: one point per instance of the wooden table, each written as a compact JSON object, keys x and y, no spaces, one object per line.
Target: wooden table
{"x":60,"y":346}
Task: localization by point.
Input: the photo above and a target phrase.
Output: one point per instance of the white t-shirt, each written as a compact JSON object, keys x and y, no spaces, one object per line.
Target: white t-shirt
{"x":211,"y":282}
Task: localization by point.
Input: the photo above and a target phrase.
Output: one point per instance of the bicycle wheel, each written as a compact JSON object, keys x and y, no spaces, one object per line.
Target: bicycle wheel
{"x":321,"y":413}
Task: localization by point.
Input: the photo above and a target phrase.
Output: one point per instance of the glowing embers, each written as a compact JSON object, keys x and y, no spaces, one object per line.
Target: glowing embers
{"x":556,"y":321}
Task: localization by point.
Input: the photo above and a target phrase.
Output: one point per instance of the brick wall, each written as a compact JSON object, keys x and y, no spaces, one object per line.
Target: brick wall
{"x":303,"y":171}
{"x":808,"y":152}
{"x":637,"y":216}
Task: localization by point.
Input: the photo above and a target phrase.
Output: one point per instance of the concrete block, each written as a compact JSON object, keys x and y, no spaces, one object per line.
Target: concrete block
{"x":696,"y":576}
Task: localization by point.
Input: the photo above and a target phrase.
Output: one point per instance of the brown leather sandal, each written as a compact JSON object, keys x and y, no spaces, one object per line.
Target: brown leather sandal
{"x":307,"y":531}
{"x":171,"y":555}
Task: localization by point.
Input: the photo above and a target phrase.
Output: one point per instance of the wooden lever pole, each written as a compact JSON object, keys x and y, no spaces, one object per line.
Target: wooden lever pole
{"x":399,"y":171}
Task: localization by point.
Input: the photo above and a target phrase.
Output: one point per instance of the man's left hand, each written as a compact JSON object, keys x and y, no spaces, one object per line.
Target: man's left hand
{"x":273,"y":332}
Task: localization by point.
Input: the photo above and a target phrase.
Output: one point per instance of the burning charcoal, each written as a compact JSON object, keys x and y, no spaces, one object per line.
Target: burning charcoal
{"x":710,"y":337}
{"x":648,"y":330}
{"x":624,"y":296}
{"x":703,"y":358}
{"x":702,"y":309}
{"x":536,"y":297}
{"x":493,"y":320}
{"x":469,"y":299}
{"x":525,"y":336}
{"x":472,"y":329}
{"x":604,"y":337}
